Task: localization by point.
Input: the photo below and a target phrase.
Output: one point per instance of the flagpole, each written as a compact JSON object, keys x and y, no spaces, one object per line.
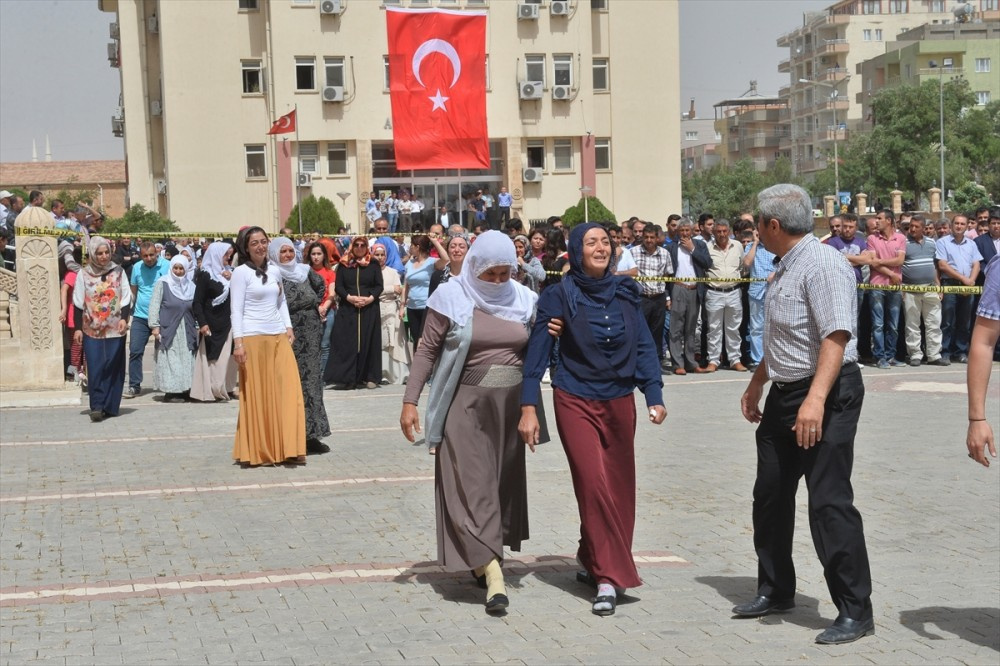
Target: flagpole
{"x":298,"y":167}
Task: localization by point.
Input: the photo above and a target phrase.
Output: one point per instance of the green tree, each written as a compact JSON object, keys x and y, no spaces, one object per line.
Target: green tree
{"x":595,"y":212}
{"x":137,"y":220}
{"x":969,"y":197}
{"x":318,"y":216}
{"x":977,"y":137}
{"x":725,"y":191}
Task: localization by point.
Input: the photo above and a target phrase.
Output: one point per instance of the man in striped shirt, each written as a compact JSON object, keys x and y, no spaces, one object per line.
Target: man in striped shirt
{"x":919,"y":269}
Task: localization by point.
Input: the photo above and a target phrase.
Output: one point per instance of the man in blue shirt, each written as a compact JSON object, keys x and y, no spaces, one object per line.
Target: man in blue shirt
{"x":759,"y":261}
{"x":504,"y":201}
{"x":144,"y":277}
{"x":958,"y":260}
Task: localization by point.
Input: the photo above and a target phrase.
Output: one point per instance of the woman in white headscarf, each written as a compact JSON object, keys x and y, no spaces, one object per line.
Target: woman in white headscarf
{"x":102,"y":303}
{"x":305,"y":289}
{"x":171,"y":319}
{"x":474,"y":340}
{"x":215,"y":370}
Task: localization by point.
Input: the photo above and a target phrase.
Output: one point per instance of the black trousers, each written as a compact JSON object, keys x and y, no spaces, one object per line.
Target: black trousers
{"x":654,"y":309}
{"x":835,"y":523}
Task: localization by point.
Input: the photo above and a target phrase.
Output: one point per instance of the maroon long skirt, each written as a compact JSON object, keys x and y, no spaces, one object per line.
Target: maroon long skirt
{"x":599,"y":439}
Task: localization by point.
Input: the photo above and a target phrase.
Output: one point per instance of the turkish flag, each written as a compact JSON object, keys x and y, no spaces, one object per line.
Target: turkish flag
{"x":284,"y":124}
{"x":437,"y":86}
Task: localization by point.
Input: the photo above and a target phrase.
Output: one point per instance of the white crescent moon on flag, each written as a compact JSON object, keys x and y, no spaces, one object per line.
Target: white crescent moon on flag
{"x":284,"y":122}
{"x":437,"y":46}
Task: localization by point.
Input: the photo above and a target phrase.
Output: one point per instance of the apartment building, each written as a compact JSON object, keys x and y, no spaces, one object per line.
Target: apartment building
{"x":571,"y":105}
{"x":752,"y":126}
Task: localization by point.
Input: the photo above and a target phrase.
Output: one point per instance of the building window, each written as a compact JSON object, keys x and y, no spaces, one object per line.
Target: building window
{"x":937,"y":6}
{"x":256,"y":161}
{"x":536,"y":154}
{"x":870,"y":7}
{"x":305,"y":73}
{"x":252,"y":79}
{"x":602,"y":154}
{"x":867,"y":34}
{"x":982,"y":97}
{"x":878,"y":34}
{"x":562,"y":152}
{"x":562,"y":69}
{"x":691,"y":136}
{"x":948,"y":63}
{"x":599,"y":5}
{"x":898,"y":6}
{"x":248,"y":5}
{"x":333,"y":67}
{"x":982,"y":65}
{"x":718,"y":135}
{"x":601,"y":74}
{"x":534,"y":68}
{"x":302,"y":2}
{"x":908,"y":73}
{"x":336,"y":158}
{"x":990,"y":5}
{"x":309,"y":158}
{"x":385,"y":72}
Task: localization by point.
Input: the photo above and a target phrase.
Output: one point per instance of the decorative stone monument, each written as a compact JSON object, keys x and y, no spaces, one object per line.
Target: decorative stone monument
{"x":861,"y":201}
{"x":934,"y":194}
{"x":897,"y":201}
{"x":829,"y":205}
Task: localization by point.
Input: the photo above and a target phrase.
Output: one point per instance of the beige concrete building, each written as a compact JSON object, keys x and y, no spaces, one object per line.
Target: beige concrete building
{"x":203,"y":81}
{"x":699,"y":142}
{"x":822,"y":54}
{"x":752,"y":127}
{"x":104,"y":178}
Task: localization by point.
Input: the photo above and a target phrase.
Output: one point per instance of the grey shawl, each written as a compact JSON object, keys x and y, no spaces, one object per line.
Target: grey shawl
{"x":444,"y":380}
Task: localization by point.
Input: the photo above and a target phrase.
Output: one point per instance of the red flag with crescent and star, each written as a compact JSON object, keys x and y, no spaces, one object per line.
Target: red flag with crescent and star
{"x":437,"y":87}
{"x":284,"y":124}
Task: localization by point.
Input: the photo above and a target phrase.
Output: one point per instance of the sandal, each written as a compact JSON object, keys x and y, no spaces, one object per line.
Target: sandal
{"x":607,"y":599}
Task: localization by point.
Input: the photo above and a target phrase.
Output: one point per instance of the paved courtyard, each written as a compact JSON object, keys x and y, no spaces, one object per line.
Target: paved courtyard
{"x":137,"y":541}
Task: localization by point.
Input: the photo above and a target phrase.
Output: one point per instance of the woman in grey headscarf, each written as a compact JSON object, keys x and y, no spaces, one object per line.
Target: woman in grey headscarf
{"x":171,"y":319}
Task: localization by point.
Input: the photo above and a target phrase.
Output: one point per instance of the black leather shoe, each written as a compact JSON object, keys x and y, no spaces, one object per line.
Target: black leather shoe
{"x":497,"y":603}
{"x":846,"y":630}
{"x":762,"y":606}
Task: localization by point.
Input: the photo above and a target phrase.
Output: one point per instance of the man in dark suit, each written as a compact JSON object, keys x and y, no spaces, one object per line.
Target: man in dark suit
{"x":989,"y":243}
{"x":689,"y":257}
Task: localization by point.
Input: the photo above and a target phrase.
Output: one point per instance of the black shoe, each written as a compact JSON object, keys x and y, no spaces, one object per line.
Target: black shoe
{"x":497,"y":603}
{"x":316,"y":446}
{"x":762,"y":606}
{"x":607,"y":599}
{"x":96,"y":416}
{"x":846,"y":630}
{"x":914,"y":362}
{"x":961,"y":358}
{"x":942,"y":361}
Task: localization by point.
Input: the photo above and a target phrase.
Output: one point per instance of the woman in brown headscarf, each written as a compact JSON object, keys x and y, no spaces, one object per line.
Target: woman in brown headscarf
{"x":355,"y":347}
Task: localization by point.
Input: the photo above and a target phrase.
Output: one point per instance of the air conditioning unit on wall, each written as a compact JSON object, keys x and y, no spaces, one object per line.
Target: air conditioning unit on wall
{"x":559,"y":8}
{"x":562,"y":92}
{"x":331,"y":7}
{"x":305,"y":180}
{"x":530,"y":89}
{"x":527,"y":11}
{"x":333,"y":93}
{"x":532,"y":175}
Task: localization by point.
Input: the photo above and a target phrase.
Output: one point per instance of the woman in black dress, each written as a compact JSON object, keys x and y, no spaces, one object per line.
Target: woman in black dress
{"x":215,"y":371}
{"x":305,"y":289}
{"x":356,"y":345}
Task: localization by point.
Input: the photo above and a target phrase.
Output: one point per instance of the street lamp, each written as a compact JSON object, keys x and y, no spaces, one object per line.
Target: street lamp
{"x":343,"y":202}
{"x":585,"y":193}
{"x":933,"y":64}
{"x":836,"y":133}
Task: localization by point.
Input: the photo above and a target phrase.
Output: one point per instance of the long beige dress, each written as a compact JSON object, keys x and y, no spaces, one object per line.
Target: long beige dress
{"x":395,"y":351}
{"x":481,"y":493}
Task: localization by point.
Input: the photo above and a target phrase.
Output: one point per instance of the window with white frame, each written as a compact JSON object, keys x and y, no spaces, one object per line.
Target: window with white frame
{"x":602,"y":154}
{"x":601,"y":74}
{"x":870,"y":7}
{"x":333,"y":68}
{"x":599,"y":5}
{"x":562,"y":154}
{"x":878,"y":34}
{"x":982,"y":97}
{"x":256,"y":160}
{"x":691,"y":136}
{"x":990,"y":5}
{"x":302,"y":2}
{"x":309,"y":158}
{"x":336,"y":158}
{"x":718,"y":135}
{"x":252,"y":79}
{"x":475,"y":3}
{"x":248,"y":5}
{"x":937,"y":6}
{"x":982,"y":65}
{"x":898,"y":6}
{"x":534,"y":68}
{"x":536,"y":154}
{"x":562,"y":69}
{"x":385,"y":72}
{"x":866,"y":34}
{"x":305,"y":73}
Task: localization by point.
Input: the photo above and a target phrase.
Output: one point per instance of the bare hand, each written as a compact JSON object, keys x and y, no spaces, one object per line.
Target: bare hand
{"x":687,"y":244}
{"x":156,"y":332}
{"x":555,"y":327}
{"x":291,"y":336}
{"x":657,"y":413}
{"x":122,"y":326}
{"x":750,"y":403}
{"x":409,"y":421}
{"x":809,"y":423}
{"x":980,"y":439}
{"x":62,"y":317}
{"x":78,"y":336}
{"x":206,"y":331}
{"x":668,"y":305}
{"x":528,"y":426}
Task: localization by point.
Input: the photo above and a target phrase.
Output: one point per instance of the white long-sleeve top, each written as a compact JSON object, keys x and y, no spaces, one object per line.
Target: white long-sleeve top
{"x":257,"y":308}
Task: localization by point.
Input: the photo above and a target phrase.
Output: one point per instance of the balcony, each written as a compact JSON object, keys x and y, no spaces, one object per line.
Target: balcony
{"x":838,"y":103}
{"x":833,"y":133}
{"x":763,"y":140}
{"x":784,"y":66}
{"x":807,"y":166}
{"x":784,"y":91}
{"x":785,"y":142}
{"x":832,"y":47}
{"x":832,"y":74}
{"x":837,"y":19}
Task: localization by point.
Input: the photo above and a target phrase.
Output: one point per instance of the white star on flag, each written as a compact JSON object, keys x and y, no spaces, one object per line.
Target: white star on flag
{"x":438,"y":100}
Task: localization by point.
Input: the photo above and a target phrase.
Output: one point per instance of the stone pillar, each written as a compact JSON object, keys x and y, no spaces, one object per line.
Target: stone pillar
{"x":934,"y":195}
{"x":897,"y":201}
{"x":513,"y":174}
{"x":860,"y":203}
{"x":357,"y":220}
{"x":829,"y":205}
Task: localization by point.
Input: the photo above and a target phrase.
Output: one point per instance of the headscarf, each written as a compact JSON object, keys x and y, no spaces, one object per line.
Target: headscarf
{"x":599,"y":291}
{"x":291,"y":270}
{"x":392,"y":259}
{"x":459,"y":296}
{"x":182,"y":287}
{"x":211,"y":263}
{"x":350,"y":260}
{"x":332,"y":251}
{"x":525,"y":243}
{"x":95,"y":269}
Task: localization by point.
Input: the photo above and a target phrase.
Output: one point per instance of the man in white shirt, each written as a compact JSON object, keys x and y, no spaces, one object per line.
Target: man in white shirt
{"x":723,"y":301}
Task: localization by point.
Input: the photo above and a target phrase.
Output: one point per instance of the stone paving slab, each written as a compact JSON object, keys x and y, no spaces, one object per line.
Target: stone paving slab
{"x":153,"y":496}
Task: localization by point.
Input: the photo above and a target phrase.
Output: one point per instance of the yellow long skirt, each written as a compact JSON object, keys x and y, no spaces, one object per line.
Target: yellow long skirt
{"x":271,"y":427}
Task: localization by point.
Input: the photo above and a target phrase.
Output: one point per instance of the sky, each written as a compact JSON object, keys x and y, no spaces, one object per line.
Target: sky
{"x":55,"y":78}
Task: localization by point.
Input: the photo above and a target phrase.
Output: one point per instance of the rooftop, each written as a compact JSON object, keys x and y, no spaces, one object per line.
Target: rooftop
{"x":62,"y":173}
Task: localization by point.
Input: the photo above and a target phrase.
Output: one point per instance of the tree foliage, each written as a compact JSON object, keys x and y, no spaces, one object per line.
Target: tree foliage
{"x":969,"y":197}
{"x":318,"y":216}
{"x":727,"y":191}
{"x":595,"y":212}
{"x":138,"y":220}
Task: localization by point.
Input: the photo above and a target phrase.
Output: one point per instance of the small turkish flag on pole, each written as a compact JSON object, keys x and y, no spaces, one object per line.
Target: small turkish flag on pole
{"x":437,"y":87}
{"x":284,"y":124}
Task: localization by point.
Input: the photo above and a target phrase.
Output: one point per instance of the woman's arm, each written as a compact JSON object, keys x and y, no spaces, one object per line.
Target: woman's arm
{"x":536,"y":359}
{"x":154,"y":305}
{"x":436,"y":328}
{"x":200,"y":294}
{"x":648,"y":375}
